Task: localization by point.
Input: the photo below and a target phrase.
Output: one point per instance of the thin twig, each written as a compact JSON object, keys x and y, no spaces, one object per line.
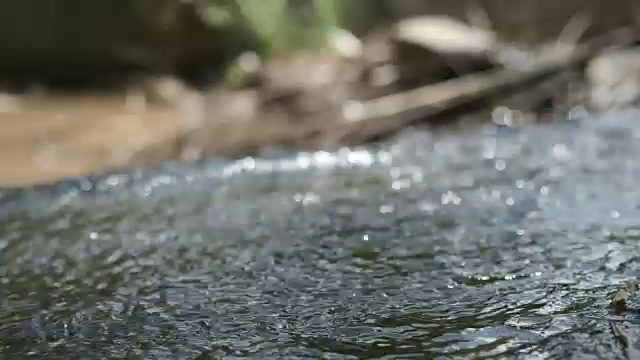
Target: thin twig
{"x":625,"y":339}
{"x":575,"y":28}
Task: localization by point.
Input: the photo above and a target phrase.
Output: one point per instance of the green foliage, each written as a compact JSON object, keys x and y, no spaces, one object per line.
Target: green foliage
{"x":329,"y":14}
{"x":268,"y":19}
{"x":278,"y":28}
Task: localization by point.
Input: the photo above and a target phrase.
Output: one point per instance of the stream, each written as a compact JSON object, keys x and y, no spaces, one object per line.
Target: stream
{"x":493,"y":242}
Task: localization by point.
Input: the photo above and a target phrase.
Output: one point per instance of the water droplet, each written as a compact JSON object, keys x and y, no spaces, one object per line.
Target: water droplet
{"x":385,"y":209}
{"x":561,"y":152}
{"x":450,"y":198}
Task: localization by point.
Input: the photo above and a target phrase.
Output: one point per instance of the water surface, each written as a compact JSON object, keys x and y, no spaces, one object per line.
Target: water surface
{"x":495,"y":242}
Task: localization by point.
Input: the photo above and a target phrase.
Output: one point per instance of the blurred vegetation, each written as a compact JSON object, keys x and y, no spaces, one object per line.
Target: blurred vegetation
{"x":280,"y":26}
{"x":80,"y":38}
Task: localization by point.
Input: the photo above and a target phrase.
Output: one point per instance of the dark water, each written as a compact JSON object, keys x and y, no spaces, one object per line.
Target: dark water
{"x":496,"y":242}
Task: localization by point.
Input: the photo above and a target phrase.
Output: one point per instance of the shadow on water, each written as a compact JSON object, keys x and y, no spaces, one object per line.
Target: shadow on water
{"x":489,"y":243}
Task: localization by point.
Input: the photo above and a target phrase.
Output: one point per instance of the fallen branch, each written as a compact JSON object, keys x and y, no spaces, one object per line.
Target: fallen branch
{"x":518,"y":109}
{"x":389,"y":113}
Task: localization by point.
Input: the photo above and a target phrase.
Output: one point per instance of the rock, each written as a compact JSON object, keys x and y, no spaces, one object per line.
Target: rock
{"x":614,"y":79}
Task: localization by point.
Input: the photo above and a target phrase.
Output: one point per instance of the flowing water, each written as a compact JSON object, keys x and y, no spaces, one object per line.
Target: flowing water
{"x":491,"y":243}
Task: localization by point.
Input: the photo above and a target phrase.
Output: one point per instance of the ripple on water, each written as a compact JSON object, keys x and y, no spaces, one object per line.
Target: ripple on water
{"x":485,"y":243}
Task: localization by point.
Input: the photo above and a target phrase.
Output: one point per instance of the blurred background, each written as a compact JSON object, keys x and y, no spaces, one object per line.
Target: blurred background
{"x":92,"y":86}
